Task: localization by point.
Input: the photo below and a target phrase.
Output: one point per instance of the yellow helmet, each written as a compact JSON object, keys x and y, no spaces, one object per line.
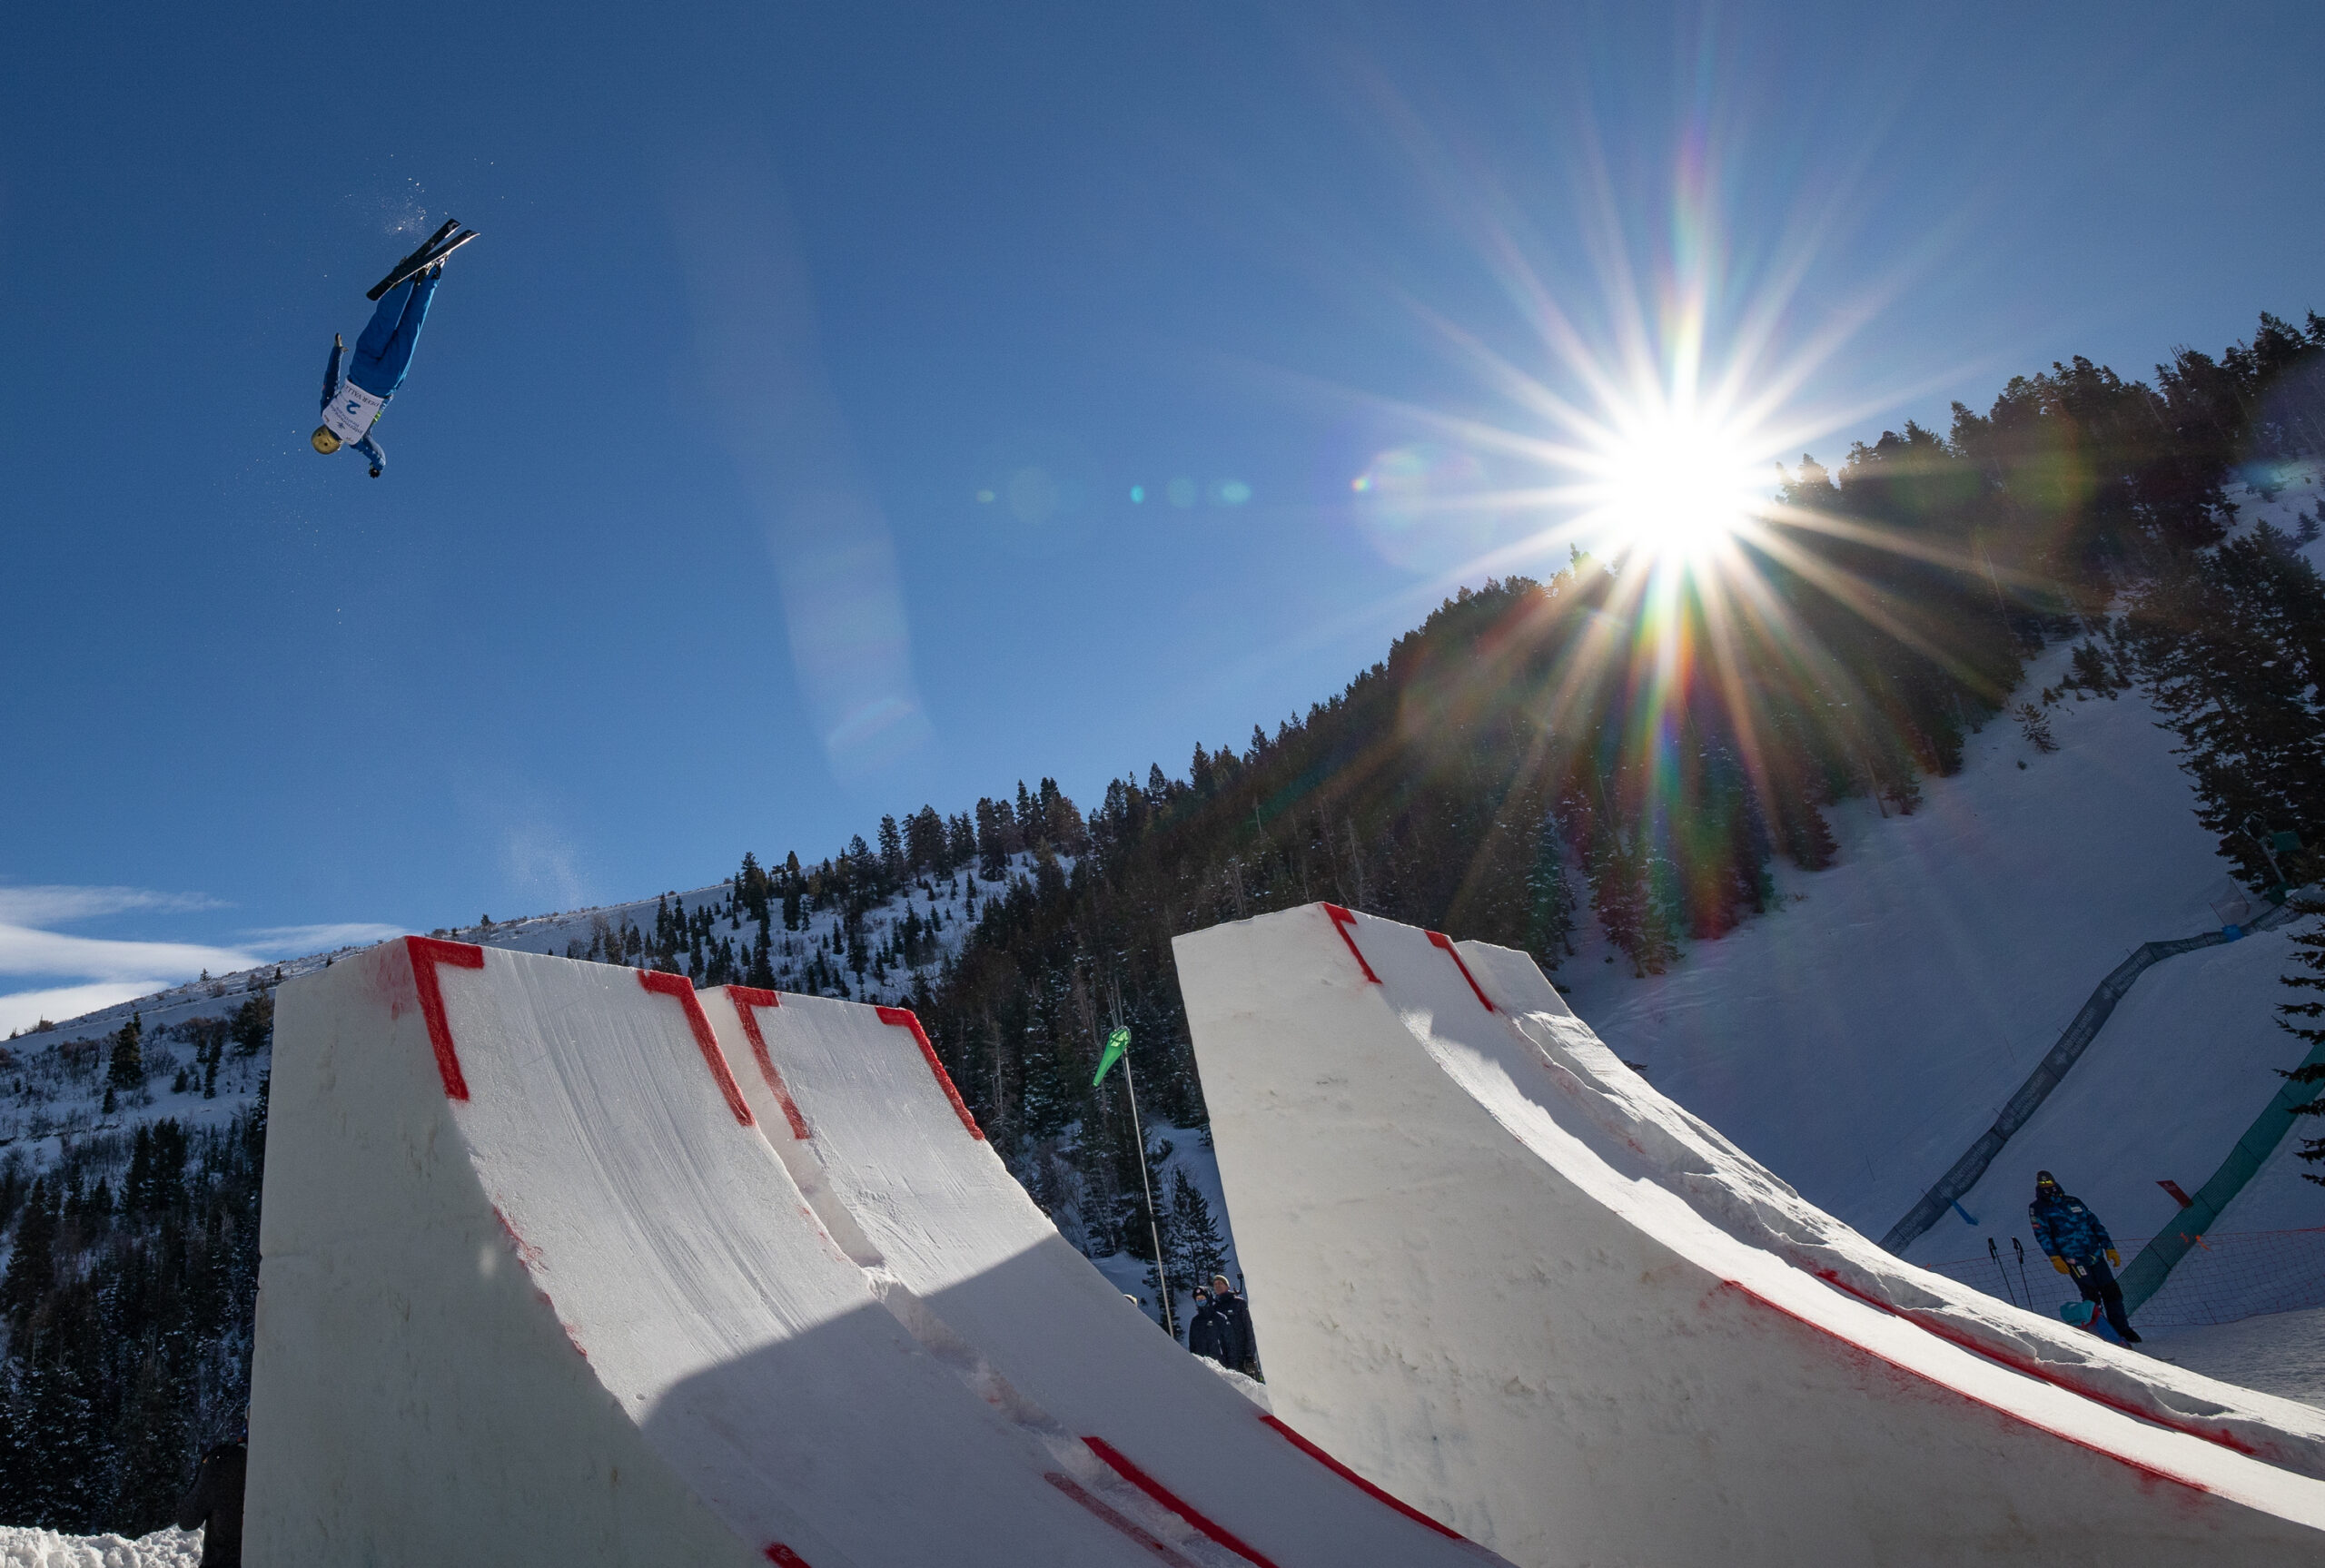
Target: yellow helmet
{"x":325,"y":442}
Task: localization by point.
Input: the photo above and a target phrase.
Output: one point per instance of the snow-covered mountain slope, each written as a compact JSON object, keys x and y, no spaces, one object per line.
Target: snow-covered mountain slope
{"x":1861,"y":1036}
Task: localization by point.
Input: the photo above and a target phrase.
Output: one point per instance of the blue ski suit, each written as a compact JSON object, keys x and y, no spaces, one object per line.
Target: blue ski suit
{"x":383,"y":353}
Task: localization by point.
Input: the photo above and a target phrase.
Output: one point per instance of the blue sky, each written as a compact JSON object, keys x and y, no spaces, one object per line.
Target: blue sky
{"x":680,"y":550}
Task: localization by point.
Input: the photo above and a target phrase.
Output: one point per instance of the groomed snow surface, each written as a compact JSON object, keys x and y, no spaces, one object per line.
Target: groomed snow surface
{"x":540,"y":1284}
{"x":1861,"y":1036}
{"x":1501,"y":1275}
{"x":2278,"y":1352}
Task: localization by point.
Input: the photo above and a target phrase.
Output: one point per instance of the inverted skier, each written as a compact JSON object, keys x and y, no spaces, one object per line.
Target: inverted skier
{"x":354,"y":402}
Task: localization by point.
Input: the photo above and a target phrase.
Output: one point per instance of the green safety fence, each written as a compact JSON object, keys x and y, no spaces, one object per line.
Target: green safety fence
{"x":2156,"y":1260}
{"x":2077,"y":1037}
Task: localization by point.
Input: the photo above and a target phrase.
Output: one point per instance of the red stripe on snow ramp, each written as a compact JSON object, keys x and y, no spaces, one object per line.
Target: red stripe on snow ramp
{"x":1345,"y":923}
{"x":1170,"y":1500}
{"x":904,"y":1018}
{"x":426,"y":953}
{"x":1354,"y":1479}
{"x":1440,"y":939}
{"x":749,"y":999}
{"x":678,"y":986}
{"x":1119,"y":1520}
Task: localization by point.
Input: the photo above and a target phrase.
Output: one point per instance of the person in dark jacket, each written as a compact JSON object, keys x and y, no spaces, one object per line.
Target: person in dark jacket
{"x":2078,"y":1245}
{"x":214,"y":1506}
{"x":1237,"y":1347}
{"x":1205,"y":1335}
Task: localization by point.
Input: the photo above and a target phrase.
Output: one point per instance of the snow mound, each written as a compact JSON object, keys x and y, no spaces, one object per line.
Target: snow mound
{"x":22,"y":1548}
{"x":1505,"y":1278}
{"x":539,"y":1284}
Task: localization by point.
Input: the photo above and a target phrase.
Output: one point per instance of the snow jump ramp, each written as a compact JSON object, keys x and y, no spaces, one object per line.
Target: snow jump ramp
{"x":537,"y":1287}
{"x":858,"y":1105}
{"x":1498,"y":1275}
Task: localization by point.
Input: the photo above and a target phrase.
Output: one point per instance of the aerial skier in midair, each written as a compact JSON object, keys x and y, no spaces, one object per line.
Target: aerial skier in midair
{"x":352,"y":402}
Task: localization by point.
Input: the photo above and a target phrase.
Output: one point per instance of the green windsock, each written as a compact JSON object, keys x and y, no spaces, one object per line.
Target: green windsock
{"x":1116,"y":1043}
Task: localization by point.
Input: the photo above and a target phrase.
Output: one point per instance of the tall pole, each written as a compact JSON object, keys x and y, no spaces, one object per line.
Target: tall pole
{"x":1153,"y":1231}
{"x":1145,"y":1182}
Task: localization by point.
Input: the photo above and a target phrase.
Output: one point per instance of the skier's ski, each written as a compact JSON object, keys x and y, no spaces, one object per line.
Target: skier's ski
{"x":402,"y":268}
{"x":420,"y":261}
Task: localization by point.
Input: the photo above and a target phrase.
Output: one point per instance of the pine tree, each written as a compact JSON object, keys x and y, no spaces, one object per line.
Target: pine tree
{"x":126,"y":1067}
{"x":892,"y":865}
{"x":1198,"y":1250}
{"x":2230,"y":645}
{"x":994,"y":831}
{"x":925,"y":843}
{"x":753,"y":888}
{"x":2035,"y":726}
{"x":253,"y":1023}
{"x":2309,"y":945}
{"x":32,"y":1263}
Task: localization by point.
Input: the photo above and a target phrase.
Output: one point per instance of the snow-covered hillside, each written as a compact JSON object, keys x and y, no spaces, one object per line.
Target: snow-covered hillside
{"x":1859,"y":1038}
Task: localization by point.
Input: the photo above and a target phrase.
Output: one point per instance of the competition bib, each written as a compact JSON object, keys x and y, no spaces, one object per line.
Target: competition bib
{"x":351,"y":412}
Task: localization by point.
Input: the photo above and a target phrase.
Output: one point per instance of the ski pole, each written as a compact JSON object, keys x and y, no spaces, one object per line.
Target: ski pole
{"x":2020,"y":1247}
{"x":1994,"y":1253}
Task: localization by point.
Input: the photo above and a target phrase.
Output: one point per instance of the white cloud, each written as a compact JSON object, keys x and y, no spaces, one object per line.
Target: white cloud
{"x":98,"y":971}
{"x":48,"y":905}
{"x":23,"y":1008}
{"x":298,"y":941}
{"x":27,"y":950}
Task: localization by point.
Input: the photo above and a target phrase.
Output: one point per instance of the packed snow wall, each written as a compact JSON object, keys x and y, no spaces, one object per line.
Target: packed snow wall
{"x":856,"y":1102}
{"x":539,"y":1286}
{"x":1502,"y":1277}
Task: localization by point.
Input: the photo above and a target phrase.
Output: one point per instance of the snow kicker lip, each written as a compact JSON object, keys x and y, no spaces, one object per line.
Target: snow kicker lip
{"x":535,"y":1287}
{"x":1735,"y":1193}
{"x":1566,"y":1346}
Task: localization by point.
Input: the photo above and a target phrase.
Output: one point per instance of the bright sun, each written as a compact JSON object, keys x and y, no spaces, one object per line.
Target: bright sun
{"x":1676,"y":488}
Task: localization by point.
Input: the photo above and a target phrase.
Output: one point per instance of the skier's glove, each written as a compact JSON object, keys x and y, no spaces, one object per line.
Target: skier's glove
{"x":375,"y":473}
{"x":2060,"y":1264}
{"x":2114,"y":1257}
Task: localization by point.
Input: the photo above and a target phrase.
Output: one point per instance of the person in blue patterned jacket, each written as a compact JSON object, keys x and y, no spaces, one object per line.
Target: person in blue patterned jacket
{"x":2078,"y":1245}
{"x":352,"y":402}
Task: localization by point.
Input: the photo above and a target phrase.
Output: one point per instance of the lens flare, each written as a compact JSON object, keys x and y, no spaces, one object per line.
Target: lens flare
{"x":1675,"y":487}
